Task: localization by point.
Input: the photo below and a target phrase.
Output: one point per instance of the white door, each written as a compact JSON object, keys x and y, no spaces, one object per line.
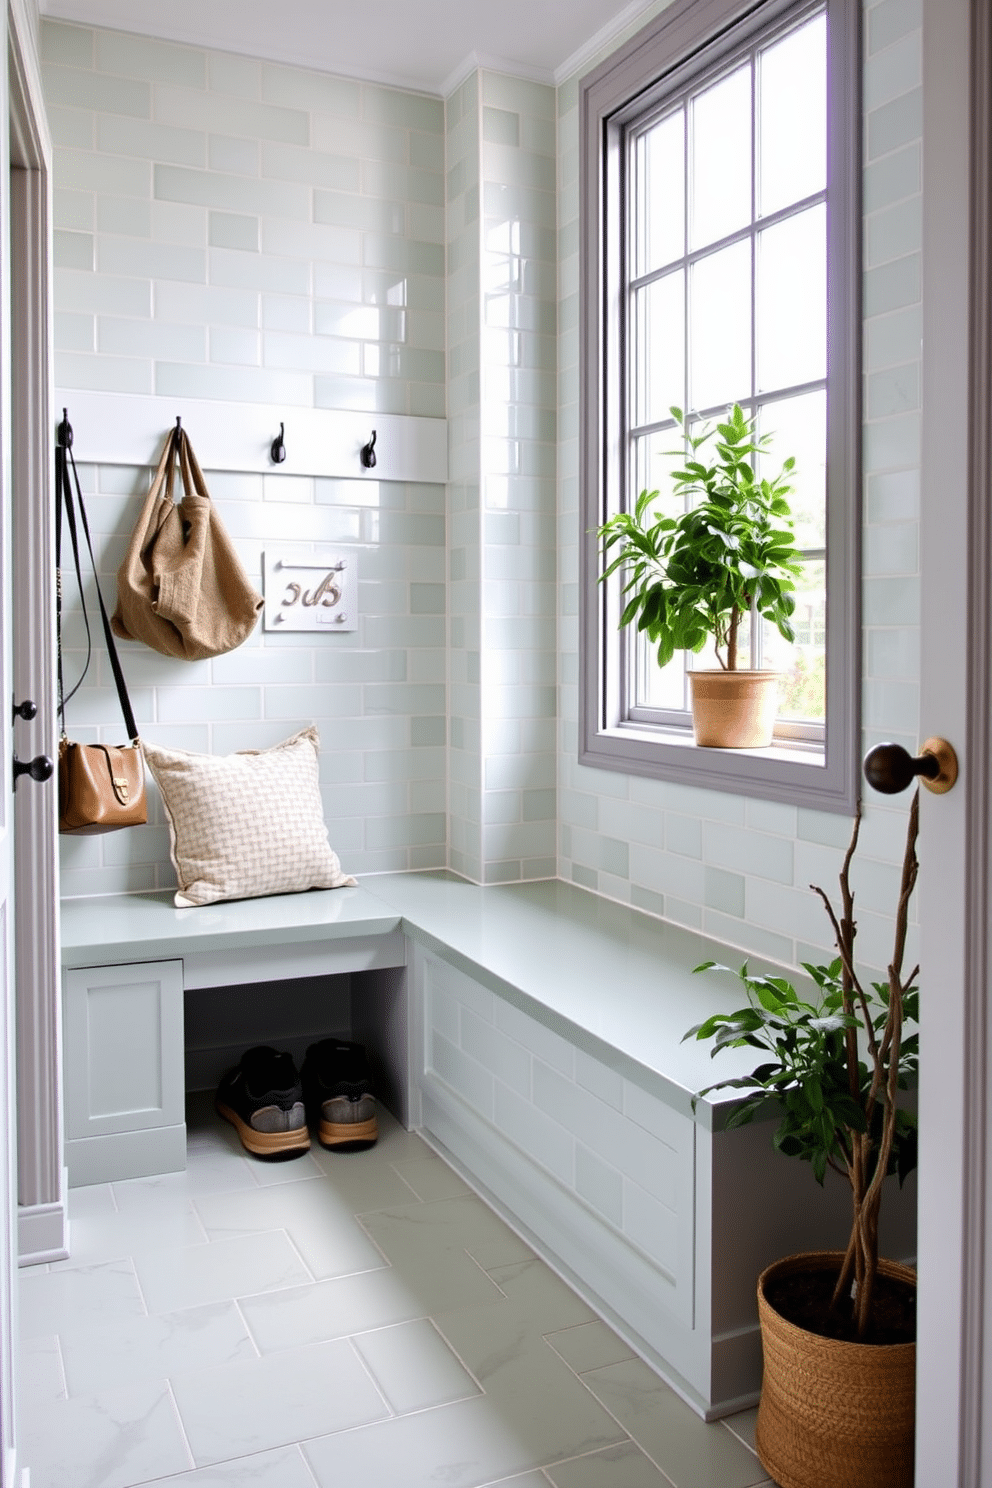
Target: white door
{"x":956,"y":628}
{"x":8,"y":1254}
{"x":29,"y":918}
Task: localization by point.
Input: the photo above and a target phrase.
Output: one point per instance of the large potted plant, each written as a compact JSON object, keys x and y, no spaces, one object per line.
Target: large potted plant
{"x":838,"y":1328}
{"x":698,"y":574}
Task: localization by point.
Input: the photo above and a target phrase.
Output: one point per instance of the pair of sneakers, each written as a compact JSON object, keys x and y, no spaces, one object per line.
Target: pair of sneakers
{"x":270,"y":1104}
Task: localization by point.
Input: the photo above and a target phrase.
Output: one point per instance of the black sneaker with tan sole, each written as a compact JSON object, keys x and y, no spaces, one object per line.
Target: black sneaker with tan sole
{"x":337,"y":1089}
{"x":262,"y":1098}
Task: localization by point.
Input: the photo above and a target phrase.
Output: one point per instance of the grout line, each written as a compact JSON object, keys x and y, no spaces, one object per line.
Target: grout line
{"x":405,"y":1182}
{"x":182,"y":1428}
{"x":306,"y":1464}
{"x":62,"y":1369}
{"x":296,"y":1248}
{"x":141,"y":1290}
{"x":448,"y":1343}
{"x":487,"y":1274}
{"x":247,"y":1326}
{"x":603,"y":1406}
{"x":367,"y":1369}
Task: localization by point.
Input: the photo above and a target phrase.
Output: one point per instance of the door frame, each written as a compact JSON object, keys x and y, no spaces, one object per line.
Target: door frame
{"x":30,"y":1007}
{"x":41,"y":1182}
{"x":954,"y":1445}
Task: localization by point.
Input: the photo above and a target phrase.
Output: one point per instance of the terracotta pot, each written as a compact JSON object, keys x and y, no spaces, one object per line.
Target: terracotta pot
{"x":734,"y":710}
{"x":834,"y":1414}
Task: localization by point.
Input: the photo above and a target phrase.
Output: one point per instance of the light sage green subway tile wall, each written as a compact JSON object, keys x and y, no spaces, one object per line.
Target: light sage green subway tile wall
{"x":502,"y":317}
{"x":518,"y":439}
{"x":464,"y":264}
{"x":737,"y":868}
{"x":233,"y":229}
{"x":320,"y":201}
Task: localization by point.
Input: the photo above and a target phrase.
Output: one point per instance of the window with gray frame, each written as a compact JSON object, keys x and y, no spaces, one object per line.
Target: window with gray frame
{"x":720,"y":235}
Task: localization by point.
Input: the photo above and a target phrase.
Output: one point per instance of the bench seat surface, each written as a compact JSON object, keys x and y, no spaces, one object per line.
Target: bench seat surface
{"x":108,"y":929}
{"x":610,"y":978}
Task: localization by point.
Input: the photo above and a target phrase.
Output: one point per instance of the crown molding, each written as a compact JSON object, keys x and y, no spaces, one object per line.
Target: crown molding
{"x":585,"y":54}
{"x":486,"y":62}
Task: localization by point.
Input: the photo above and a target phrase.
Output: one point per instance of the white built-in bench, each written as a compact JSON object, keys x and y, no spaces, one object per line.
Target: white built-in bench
{"x":533,"y":1033}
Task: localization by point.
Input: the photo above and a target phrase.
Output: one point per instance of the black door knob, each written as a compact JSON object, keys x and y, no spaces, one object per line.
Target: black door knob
{"x":889,"y":768}
{"x":40,"y":768}
{"x":26,"y":710}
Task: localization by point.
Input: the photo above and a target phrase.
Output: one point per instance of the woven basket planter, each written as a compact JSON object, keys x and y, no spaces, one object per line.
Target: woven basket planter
{"x":834,"y":1414}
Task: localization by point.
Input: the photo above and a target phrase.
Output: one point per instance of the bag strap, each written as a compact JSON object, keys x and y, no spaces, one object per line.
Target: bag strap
{"x":163,"y":481}
{"x":193,"y":482}
{"x":64,"y":458}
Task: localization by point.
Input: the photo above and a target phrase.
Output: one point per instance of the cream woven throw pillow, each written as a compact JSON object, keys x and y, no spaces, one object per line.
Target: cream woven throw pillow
{"x":247,"y":824}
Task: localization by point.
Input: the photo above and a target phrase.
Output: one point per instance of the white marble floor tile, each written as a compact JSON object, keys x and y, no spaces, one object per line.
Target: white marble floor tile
{"x":340,"y":1308}
{"x":214,"y":1171}
{"x":520,"y":1480}
{"x":368,"y":1374}
{"x":108,"y":1440}
{"x":691,"y":1452}
{"x":318,"y":1221}
{"x":743,"y":1425}
{"x":109,"y":1236}
{"x":414,"y":1367}
{"x":505,"y":1249}
{"x":113,"y":1354}
{"x":94,"y":1198}
{"x":431,"y":1178}
{"x":283,"y":1398}
{"x":460,"y":1223}
{"x":283,"y":1468}
{"x":527,"y":1382}
{"x":541,"y":1294}
{"x":40,"y":1378}
{"x":622,"y":1466}
{"x":49,"y":1301}
{"x":364,"y":1180}
{"x":427,"y":1245}
{"x":465,"y":1445}
{"x":174,"y":1279}
{"x":589,"y":1346}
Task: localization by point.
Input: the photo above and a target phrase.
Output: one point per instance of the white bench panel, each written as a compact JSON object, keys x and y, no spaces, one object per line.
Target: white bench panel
{"x":123,"y":1071}
{"x":612,"y":1173}
{"x":283,"y":962}
{"x":123,"y":1048}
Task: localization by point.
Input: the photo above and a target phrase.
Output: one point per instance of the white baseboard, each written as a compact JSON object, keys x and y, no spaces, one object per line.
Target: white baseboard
{"x":42,"y":1233}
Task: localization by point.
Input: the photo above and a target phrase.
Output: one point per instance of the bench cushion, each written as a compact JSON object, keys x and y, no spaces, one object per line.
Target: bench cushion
{"x":248,"y":824}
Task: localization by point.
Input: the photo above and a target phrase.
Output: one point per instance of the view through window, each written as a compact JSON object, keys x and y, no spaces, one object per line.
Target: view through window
{"x":725,"y":290}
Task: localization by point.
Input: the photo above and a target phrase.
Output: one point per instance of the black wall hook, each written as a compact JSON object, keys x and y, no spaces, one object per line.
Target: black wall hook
{"x":278,"y":450}
{"x":367,"y":455}
{"x":65,"y":430}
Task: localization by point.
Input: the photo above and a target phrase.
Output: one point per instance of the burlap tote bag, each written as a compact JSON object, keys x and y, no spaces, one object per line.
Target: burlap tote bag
{"x":181,"y":588}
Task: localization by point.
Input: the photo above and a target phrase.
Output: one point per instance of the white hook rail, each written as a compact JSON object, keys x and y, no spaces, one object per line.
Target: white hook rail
{"x":129,"y":429}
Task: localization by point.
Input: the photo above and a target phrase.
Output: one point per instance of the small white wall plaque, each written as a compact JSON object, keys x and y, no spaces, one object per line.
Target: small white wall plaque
{"x":308,"y":589}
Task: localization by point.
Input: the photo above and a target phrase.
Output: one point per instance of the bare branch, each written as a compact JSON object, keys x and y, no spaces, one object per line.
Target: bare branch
{"x":847,"y":958}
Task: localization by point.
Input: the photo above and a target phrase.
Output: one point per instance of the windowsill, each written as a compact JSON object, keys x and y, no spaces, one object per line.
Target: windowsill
{"x":796,"y":751}
{"x":796,"y":774}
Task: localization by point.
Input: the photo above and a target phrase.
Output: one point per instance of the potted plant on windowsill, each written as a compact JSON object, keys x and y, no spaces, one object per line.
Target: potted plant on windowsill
{"x":838,"y":1328}
{"x":701,"y":574}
